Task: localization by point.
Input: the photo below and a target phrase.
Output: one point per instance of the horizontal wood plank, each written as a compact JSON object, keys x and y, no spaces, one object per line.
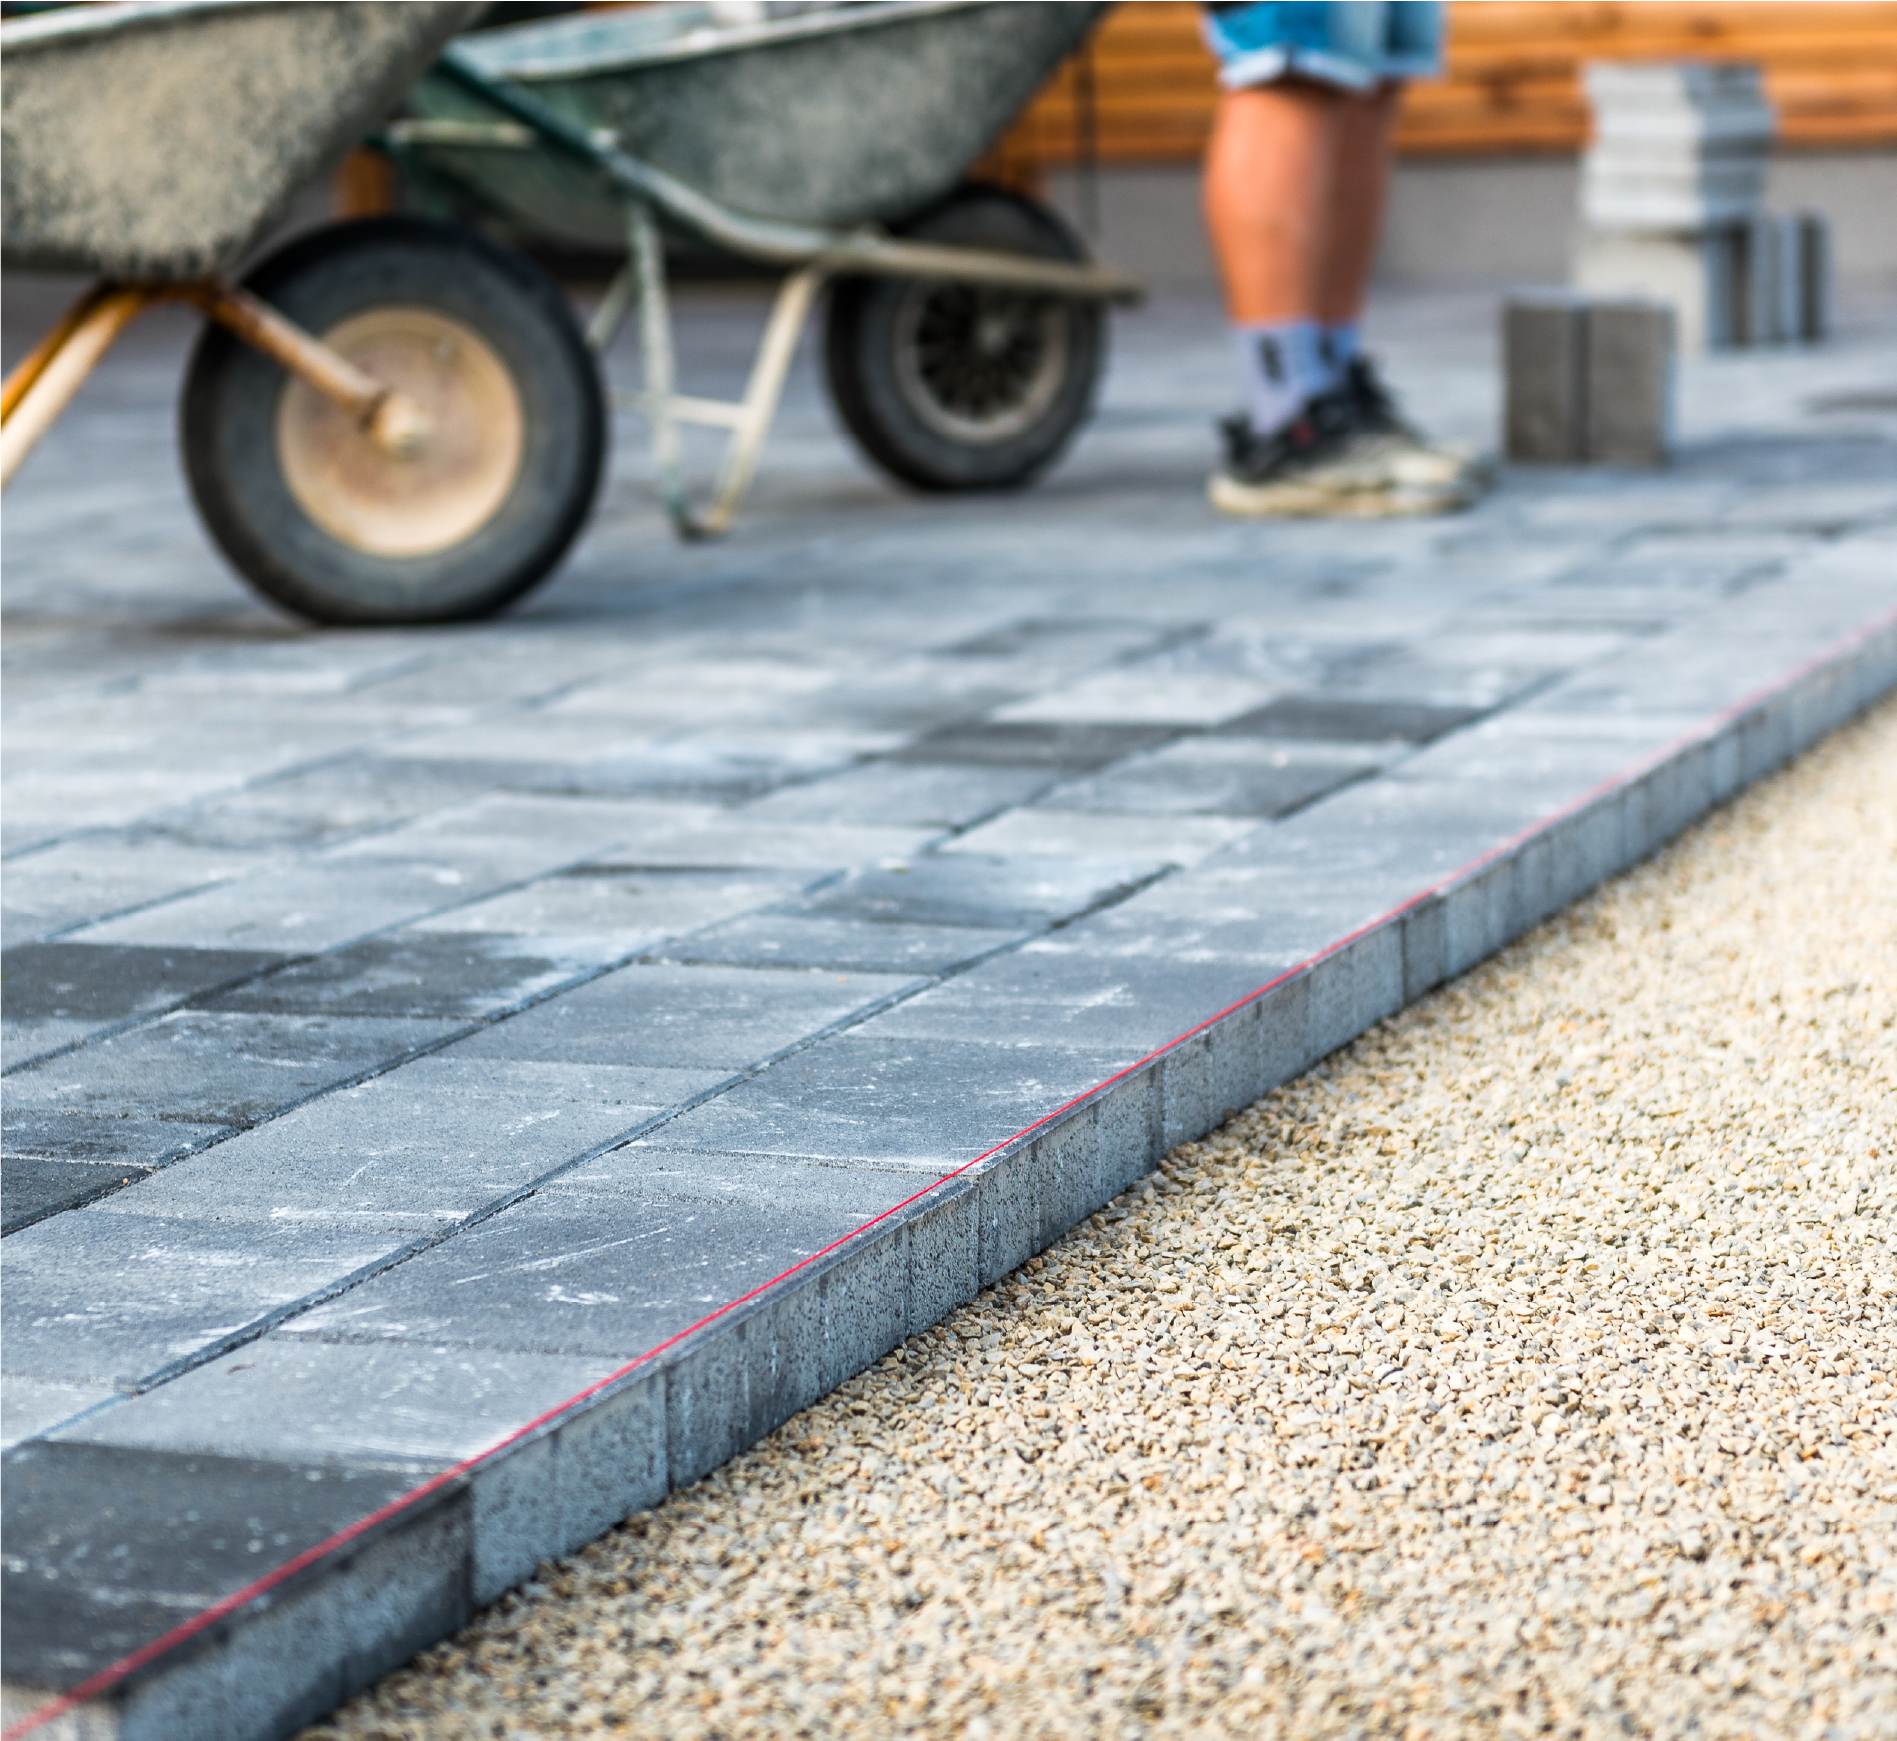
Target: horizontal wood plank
{"x":1512,"y":76}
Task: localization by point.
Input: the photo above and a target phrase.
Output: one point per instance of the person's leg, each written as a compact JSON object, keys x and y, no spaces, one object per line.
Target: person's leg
{"x":1360,"y":185}
{"x":1270,"y":207}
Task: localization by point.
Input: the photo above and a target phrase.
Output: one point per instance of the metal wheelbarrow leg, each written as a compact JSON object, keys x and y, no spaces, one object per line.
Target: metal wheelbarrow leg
{"x":641,"y":282}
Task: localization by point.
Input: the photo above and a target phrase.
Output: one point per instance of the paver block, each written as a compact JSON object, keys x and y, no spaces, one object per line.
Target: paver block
{"x":659,"y":1014}
{"x":205,"y":1067}
{"x":857,"y":945}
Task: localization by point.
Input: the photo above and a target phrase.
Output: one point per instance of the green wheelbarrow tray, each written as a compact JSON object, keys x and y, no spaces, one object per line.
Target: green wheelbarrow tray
{"x":792,"y":143}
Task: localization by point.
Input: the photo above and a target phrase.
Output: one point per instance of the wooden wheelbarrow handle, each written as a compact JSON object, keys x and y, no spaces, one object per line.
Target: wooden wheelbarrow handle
{"x":43,"y":385}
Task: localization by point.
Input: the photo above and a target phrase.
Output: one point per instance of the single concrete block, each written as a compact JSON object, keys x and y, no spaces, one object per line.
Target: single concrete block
{"x":1543,"y":340}
{"x":1629,"y":383}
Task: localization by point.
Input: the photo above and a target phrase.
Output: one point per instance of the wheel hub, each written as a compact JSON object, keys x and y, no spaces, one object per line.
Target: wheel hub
{"x":443,"y":488}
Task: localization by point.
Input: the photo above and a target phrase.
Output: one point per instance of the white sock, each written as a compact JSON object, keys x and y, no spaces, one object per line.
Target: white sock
{"x":1281,"y":364}
{"x":1340,"y":345}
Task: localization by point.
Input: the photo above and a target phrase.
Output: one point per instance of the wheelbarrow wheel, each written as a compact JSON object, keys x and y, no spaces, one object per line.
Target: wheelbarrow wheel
{"x":961,"y":386}
{"x":320,"y":519}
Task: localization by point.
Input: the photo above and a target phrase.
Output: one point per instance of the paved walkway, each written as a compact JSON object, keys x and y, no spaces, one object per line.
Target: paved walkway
{"x":408,"y":1031}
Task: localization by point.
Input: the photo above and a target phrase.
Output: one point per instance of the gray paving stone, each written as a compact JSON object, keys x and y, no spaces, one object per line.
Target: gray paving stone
{"x":659,"y":1014}
{"x":35,"y":1186}
{"x":611,"y":1276}
{"x":982,"y":890}
{"x":857,"y":945}
{"x":202,"y":1067}
{"x":625,"y":909}
{"x":1071,"y":748}
{"x":84,"y":880}
{"x":1350,"y":720}
{"x":416,"y":973}
{"x":109,"y":1140}
{"x":928,"y":1095}
{"x":928,"y":796}
{"x":1053,"y":994}
{"x":319,"y":806}
{"x":417,"y":1149}
{"x":32,"y":1406}
{"x":168,"y":1535}
{"x":313,"y":905}
{"x":113,"y":1299}
{"x":1216,"y":777}
{"x":1154,"y":844}
{"x":300,"y":1399}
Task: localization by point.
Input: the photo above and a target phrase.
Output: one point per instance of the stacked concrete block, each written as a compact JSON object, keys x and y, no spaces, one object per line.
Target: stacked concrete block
{"x":1589,"y":380}
{"x":1671,"y":207}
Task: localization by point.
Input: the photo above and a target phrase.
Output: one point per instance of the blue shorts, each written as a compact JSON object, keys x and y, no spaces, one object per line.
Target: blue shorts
{"x":1353,"y":44}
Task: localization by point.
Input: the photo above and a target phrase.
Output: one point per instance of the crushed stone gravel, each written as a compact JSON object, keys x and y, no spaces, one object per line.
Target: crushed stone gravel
{"x":1525,"y":1369}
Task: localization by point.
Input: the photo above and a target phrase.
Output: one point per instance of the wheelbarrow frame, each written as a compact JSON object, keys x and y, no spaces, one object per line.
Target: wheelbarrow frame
{"x":811,"y":254}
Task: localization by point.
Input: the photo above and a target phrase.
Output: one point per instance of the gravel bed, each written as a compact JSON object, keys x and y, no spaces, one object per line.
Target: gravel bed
{"x":1523,"y":1370}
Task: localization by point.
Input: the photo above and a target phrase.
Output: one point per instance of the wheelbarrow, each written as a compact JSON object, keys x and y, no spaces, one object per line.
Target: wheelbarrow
{"x":387,"y":421}
{"x":964,"y":336}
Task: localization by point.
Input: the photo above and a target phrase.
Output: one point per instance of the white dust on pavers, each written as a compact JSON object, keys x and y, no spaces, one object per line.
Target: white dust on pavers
{"x":1525,"y":1369}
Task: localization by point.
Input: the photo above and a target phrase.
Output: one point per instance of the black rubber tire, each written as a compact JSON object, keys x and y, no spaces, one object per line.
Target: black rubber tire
{"x":228,"y":418}
{"x":893,"y":386}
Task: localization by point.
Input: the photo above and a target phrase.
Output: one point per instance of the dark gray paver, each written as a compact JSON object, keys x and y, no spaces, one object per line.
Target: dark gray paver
{"x":211,"y":1068}
{"x":916,"y":826}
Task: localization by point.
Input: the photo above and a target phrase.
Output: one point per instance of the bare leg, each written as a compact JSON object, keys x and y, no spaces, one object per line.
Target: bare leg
{"x":1360,"y":189}
{"x":1271,"y":198}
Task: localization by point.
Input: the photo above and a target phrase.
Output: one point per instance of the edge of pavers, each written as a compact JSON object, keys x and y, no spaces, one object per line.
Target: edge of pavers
{"x":671,"y":1419}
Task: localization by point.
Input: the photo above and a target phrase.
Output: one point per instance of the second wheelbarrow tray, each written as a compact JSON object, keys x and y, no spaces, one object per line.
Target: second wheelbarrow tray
{"x":962,"y":352}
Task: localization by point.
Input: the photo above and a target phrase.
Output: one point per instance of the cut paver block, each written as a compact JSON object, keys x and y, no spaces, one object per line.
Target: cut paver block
{"x":659,"y":1013}
{"x":298,"y":1400}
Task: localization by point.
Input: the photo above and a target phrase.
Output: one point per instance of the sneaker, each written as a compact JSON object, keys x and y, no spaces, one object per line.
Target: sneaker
{"x":1384,"y":432}
{"x":1321,"y":464}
